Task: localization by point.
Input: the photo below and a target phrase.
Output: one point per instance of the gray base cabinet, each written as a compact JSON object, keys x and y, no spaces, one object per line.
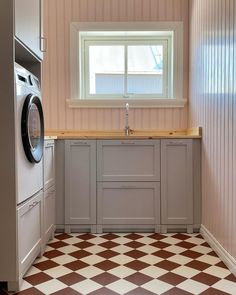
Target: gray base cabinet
{"x":177,"y":183}
{"x":49,"y":215}
{"x":128,"y":187}
{"x":137,"y":185}
{"x":80,"y":183}
{"x":49,"y":200}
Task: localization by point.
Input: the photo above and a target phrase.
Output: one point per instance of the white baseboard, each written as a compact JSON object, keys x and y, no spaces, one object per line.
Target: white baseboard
{"x":229,"y":260}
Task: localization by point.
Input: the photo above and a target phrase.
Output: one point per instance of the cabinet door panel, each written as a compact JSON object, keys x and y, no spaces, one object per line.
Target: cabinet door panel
{"x":129,"y":203}
{"x":176,"y":182}
{"x":29,"y":231}
{"x":80,"y":182}
{"x":28,"y":24}
{"x":129,"y":160}
{"x":49,"y":163}
{"x":49,"y":214}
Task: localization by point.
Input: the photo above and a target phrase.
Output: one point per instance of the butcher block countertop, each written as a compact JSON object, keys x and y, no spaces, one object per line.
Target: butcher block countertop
{"x":120,"y":134}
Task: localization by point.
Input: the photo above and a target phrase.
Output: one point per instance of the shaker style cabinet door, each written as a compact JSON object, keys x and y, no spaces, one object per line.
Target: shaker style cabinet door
{"x":80,"y":183}
{"x":28,"y":24}
{"x":49,"y":200}
{"x":49,"y":164}
{"x":176,"y":182}
{"x":29,"y":232}
{"x":128,"y":203}
{"x":128,"y":160}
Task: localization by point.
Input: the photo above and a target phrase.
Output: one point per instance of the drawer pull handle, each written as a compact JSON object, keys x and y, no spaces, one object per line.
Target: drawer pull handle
{"x":49,"y":144}
{"x":128,"y":142}
{"x":33,"y":204}
{"x":79,"y":143}
{"x":43,"y":44}
{"x":128,"y":186}
{"x":176,"y":143}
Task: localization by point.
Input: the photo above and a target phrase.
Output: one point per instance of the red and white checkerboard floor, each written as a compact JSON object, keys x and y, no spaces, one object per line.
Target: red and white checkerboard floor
{"x":131,"y":264}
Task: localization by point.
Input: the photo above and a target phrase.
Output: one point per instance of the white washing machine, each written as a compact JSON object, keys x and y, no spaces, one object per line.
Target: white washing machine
{"x":29,"y":134}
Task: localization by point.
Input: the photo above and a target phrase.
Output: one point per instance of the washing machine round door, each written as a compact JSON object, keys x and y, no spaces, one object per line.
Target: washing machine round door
{"x":32,"y":128}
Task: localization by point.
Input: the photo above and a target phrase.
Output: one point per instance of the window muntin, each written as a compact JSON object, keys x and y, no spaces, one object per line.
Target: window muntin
{"x":115,"y":67}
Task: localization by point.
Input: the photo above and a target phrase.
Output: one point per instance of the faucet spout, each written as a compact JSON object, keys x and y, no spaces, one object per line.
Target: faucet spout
{"x":127,"y":128}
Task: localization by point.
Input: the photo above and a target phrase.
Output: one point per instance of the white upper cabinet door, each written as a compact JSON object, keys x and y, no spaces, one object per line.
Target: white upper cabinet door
{"x":28,"y":26}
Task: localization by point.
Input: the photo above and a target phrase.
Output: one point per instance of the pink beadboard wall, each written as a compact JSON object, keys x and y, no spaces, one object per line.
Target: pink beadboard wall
{"x":56,"y":72}
{"x":213,"y":106}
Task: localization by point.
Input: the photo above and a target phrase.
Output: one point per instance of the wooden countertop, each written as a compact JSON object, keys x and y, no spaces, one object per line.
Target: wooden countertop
{"x":119,"y":134}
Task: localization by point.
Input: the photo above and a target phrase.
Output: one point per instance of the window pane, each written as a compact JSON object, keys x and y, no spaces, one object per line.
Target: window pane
{"x":145,"y":69}
{"x":106,"y":69}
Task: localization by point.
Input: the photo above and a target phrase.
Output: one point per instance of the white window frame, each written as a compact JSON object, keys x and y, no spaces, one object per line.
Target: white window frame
{"x":174,"y":99}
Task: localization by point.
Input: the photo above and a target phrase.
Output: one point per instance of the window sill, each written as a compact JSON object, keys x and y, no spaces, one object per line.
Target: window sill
{"x":120,"y":103}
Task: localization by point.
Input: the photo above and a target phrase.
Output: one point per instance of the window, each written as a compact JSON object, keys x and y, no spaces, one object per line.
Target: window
{"x":138,"y":65}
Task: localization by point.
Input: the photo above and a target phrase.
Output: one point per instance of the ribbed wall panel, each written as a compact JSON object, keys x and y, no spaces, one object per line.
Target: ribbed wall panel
{"x":213,"y":106}
{"x":56,"y":72}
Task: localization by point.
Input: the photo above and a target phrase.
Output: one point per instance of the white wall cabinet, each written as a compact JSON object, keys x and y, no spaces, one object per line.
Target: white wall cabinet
{"x":80,"y":184}
{"x":49,"y":200}
{"x":29,"y":232}
{"x":28,"y":24}
{"x":177,"y":183}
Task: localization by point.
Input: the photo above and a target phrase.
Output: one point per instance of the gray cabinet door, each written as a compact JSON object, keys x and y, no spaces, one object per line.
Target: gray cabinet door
{"x":28,"y":24}
{"x":80,"y":182}
{"x":176,"y":182}
{"x":128,"y":203}
{"x":49,"y":164}
{"x":48,"y":215}
{"x":128,"y":160}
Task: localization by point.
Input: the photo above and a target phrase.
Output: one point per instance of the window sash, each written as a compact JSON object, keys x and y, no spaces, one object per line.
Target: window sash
{"x":164,"y":41}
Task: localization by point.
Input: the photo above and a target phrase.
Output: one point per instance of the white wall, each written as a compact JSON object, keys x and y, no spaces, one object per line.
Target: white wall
{"x":56,"y":83}
{"x":213,"y":106}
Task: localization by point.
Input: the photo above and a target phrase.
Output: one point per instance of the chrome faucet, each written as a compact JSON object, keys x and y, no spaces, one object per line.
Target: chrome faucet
{"x":127,"y":128}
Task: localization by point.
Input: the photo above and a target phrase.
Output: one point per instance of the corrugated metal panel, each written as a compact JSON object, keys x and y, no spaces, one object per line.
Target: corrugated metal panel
{"x":213,"y":106}
{"x":56,"y":71}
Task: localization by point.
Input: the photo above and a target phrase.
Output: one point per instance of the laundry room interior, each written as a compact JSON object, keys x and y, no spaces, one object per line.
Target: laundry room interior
{"x":118,"y":154}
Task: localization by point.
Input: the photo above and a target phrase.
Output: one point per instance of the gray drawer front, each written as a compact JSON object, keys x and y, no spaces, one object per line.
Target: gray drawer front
{"x":128,"y":160}
{"x":128,"y":203}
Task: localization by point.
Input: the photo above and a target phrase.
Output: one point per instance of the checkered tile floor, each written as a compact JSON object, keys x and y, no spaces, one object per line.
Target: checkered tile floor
{"x":131,"y":264}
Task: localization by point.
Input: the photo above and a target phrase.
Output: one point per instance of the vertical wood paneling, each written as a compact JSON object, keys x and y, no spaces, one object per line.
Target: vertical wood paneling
{"x":56,"y":67}
{"x":213,"y":105}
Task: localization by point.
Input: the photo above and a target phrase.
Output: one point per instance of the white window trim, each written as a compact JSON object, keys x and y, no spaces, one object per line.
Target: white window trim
{"x":77,"y":101}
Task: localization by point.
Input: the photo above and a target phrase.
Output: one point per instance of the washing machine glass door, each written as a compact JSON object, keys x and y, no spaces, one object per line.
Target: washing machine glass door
{"x":32,"y":128}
